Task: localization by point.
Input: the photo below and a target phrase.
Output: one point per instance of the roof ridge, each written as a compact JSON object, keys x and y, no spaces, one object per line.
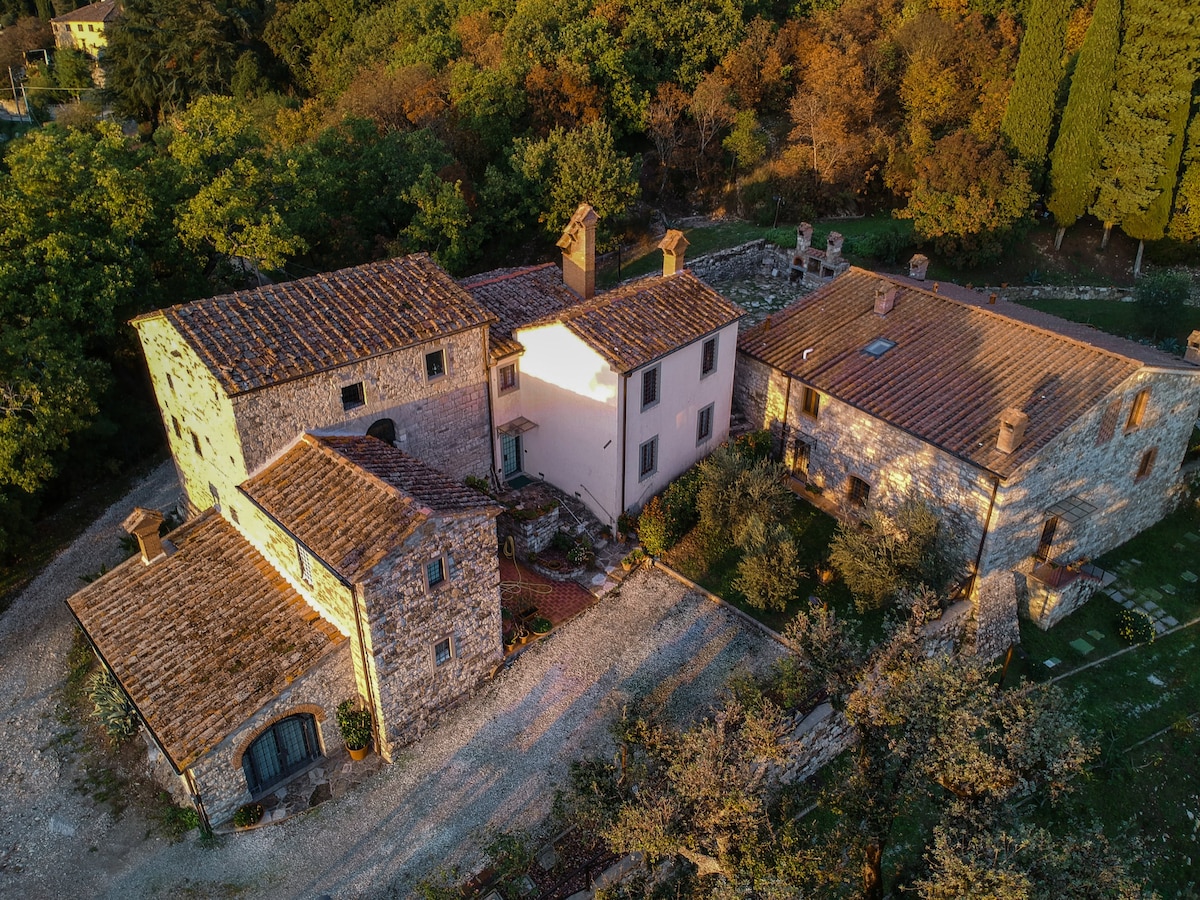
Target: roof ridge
{"x":515,"y":273}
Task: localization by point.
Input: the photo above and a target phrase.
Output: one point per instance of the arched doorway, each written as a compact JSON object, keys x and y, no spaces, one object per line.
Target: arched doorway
{"x":283,"y":749}
{"x":384,"y":429}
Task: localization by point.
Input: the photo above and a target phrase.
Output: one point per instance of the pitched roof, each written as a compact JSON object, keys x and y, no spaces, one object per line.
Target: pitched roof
{"x":105,"y":11}
{"x":517,"y":297}
{"x":185,"y":636}
{"x":251,"y":339}
{"x":643,"y":320}
{"x":954,"y":369}
{"x":353,"y":500}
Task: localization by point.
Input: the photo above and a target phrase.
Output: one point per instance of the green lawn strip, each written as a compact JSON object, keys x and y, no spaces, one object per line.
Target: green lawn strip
{"x":1115,"y":317}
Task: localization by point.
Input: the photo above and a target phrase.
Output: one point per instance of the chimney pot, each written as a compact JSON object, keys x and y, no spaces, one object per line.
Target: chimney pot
{"x":673,"y":245}
{"x":885,"y":300}
{"x":992,"y":299}
{"x":1192,"y":354}
{"x":803,"y":237}
{"x":1012,"y":430}
{"x":833,"y":247}
{"x":918,"y":266}
{"x":578,"y":243}
{"x":143,"y":524}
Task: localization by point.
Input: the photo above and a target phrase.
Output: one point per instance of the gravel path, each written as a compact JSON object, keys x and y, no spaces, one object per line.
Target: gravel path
{"x":493,"y":762}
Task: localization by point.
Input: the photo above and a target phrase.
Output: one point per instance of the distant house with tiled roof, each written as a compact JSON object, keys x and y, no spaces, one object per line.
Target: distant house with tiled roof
{"x":396,"y":349}
{"x":607,"y":395}
{"x":343,"y":568}
{"x":1042,"y":443}
{"x":86,"y":28}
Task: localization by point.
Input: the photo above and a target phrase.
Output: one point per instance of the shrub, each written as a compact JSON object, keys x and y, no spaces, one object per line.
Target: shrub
{"x":753,"y":445}
{"x":680,"y":504}
{"x":581,"y":553}
{"x":888,"y":554}
{"x":112,"y":707}
{"x":1135,"y":626}
{"x":652,"y":528}
{"x":1160,"y":299}
{"x":250,"y":814}
{"x":769,"y":573}
{"x":354,"y":723}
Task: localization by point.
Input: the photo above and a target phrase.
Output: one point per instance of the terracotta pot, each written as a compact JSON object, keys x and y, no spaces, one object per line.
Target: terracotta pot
{"x":358,"y":754}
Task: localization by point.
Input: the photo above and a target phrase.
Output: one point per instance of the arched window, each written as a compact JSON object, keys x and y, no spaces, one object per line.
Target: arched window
{"x":286,"y":747}
{"x":384,"y":429}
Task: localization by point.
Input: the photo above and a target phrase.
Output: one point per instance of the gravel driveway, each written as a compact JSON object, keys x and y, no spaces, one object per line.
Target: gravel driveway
{"x":493,"y":762}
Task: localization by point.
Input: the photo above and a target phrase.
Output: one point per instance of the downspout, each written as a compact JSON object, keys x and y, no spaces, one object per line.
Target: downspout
{"x":376,"y":710}
{"x":787,"y":403}
{"x":185,"y":773}
{"x":624,"y":438}
{"x":987,"y":523}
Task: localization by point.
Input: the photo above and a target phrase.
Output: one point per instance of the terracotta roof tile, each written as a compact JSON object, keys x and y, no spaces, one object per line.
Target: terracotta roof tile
{"x":251,"y":339}
{"x":954,"y":369}
{"x":185,"y":636}
{"x":105,"y":11}
{"x":517,"y":297}
{"x":372,"y":496}
{"x":643,"y":320}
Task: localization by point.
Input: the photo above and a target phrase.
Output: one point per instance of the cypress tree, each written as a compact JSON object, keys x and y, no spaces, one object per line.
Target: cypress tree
{"x":1030,"y":111}
{"x":1185,"y":218}
{"x":1142,"y":142}
{"x":1076,"y":150}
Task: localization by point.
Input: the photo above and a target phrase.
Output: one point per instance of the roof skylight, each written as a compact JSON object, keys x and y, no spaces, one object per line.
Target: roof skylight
{"x":878,"y":347}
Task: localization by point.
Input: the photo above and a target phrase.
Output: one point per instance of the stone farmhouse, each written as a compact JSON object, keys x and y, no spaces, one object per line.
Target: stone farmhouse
{"x":321,"y":430}
{"x":1041,"y":443}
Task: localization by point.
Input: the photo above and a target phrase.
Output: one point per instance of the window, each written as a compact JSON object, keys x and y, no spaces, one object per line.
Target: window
{"x":1137,"y":410}
{"x":196,"y":444}
{"x":708,"y":357}
{"x":1046,"y":541}
{"x":283,"y":749}
{"x":812,"y":403}
{"x":305,"y":564}
{"x":508,"y":378}
{"x":857,"y":491}
{"x":1108,"y":423}
{"x":175,"y":425}
{"x":443,"y":652}
{"x":353,"y":396}
{"x":435,"y":572}
{"x":80,"y":27}
{"x":704,"y":422}
{"x":649,"y":387}
{"x":878,"y":347}
{"x":435,"y":364}
{"x":92,"y":28}
{"x":648,"y":458}
{"x":1147,"y":463}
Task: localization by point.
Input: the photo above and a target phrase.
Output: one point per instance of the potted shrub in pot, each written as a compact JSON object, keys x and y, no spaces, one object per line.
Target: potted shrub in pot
{"x":354,"y":723}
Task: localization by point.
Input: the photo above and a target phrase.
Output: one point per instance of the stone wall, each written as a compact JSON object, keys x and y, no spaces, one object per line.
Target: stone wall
{"x":817,"y":739}
{"x":443,"y":423}
{"x":744,"y":261}
{"x":1046,"y":605}
{"x":529,"y":535}
{"x":1021,"y":293}
{"x":407,"y":620}
{"x":220,"y":779}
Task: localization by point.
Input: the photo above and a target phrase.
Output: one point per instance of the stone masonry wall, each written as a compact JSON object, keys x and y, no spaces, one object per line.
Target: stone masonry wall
{"x":191,"y":402}
{"x":444,"y":423}
{"x":529,"y":535}
{"x":744,"y":261}
{"x":219,"y":775}
{"x":407,"y":620}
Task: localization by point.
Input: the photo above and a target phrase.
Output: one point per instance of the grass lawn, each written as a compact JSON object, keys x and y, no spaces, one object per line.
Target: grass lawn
{"x":812,"y":530}
{"x":1115,"y":317}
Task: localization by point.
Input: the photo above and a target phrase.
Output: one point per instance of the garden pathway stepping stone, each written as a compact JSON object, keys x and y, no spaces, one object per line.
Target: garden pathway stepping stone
{"x":1170,"y":621}
{"x":1179,"y":547}
{"x":1151,"y":594}
{"x":1189,"y":577}
{"x":1051,"y":662}
{"x":1160,"y":628}
{"x":1193,"y":537}
{"x":1150,"y":606}
{"x":1096,"y":635}
{"x":1138,"y":562}
{"x":1128,"y":604}
{"x":1167,"y":588}
{"x":1107,"y":578}
{"x":1082,"y":646}
{"x":1118,"y":596}
{"x":1156,"y":681}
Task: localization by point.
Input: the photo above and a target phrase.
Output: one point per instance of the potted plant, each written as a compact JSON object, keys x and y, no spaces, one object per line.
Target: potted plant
{"x":354,"y":723}
{"x":540,"y":626}
{"x":248,"y":815}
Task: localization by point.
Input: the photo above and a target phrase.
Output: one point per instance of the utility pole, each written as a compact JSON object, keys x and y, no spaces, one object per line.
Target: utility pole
{"x":12,"y":81}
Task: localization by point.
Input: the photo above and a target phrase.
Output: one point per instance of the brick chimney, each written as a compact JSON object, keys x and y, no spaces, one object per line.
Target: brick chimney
{"x":1192,"y":354}
{"x":143,"y":524}
{"x":918,"y":266}
{"x":578,"y":243}
{"x":885,"y":299}
{"x":833,"y":248}
{"x":673,"y":246}
{"x":1012,"y":430}
{"x":803,"y":237}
